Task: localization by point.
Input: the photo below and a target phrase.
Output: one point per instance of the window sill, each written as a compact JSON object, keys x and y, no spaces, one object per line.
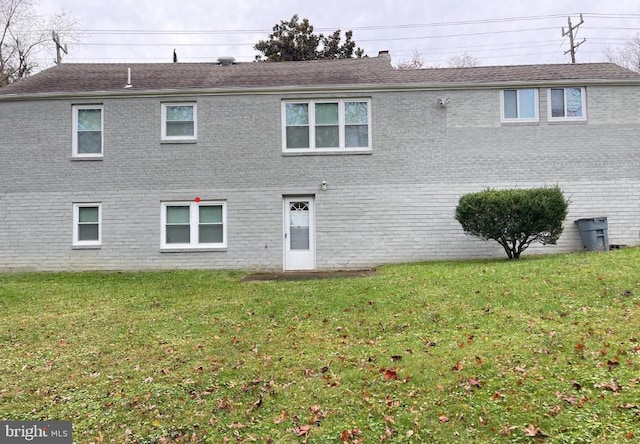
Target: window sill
{"x":86,"y":158}
{"x":193,"y":250}
{"x":178,"y":141}
{"x":338,"y":152}
{"x":86,"y":247}
{"x":565,"y":121}
{"x":520,"y":122}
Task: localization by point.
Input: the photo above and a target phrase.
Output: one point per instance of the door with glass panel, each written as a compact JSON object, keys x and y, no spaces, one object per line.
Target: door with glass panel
{"x":299,"y":233}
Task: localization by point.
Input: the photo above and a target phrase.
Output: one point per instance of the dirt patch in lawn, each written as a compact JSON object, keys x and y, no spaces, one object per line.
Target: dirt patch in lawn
{"x":305,"y":275}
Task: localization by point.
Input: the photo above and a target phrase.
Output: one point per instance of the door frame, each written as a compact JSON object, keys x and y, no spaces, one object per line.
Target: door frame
{"x":287,"y":260}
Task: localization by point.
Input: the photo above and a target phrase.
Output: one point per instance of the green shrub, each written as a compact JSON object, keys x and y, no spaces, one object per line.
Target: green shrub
{"x":514,"y":218}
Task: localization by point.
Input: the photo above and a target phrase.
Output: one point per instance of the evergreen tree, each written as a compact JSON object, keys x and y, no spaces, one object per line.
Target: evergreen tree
{"x":295,"y":40}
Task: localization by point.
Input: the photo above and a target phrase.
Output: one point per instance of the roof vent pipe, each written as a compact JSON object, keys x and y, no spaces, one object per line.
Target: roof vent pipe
{"x":128,"y":85}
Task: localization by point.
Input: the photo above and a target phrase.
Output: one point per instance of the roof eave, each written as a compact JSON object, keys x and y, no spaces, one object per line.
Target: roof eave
{"x":278,"y":90}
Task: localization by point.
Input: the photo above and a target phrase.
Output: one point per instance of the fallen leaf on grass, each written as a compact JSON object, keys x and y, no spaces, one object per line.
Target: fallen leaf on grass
{"x":613,"y":363}
{"x":280,"y":418}
{"x":555,"y":410}
{"x":628,"y":406}
{"x":302,"y":430}
{"x":318,"y":414}
{"x":612,"y":386}
{"x":390,"y":374}
{"x":348,"y":436}
{"x":506,"y":430}
{"x":474,"y":382}
{"x":534,"y":432}
{"x":388,"y":433}
{"x":256,"y":405}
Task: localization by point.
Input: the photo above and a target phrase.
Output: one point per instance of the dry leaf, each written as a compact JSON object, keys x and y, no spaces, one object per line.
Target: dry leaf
{"x":534,"y":432}
{"x":302,"y":430}
{"x":390,"y":375}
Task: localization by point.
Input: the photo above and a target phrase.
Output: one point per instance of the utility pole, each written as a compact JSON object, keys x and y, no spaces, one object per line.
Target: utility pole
{"x":572,"y":38}
{"x":59,"y":47}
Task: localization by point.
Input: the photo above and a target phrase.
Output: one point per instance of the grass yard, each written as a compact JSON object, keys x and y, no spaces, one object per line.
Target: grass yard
{"x":546,"y":349}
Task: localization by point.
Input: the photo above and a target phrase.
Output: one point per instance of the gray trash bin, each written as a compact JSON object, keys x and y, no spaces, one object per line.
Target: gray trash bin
{"x":594,"y":233}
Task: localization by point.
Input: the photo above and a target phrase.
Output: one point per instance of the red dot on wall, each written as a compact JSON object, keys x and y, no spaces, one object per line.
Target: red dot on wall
{"x":197,"y":199}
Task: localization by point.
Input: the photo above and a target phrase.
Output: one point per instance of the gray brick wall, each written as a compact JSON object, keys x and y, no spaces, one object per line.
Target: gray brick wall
{"x":395,"y":204}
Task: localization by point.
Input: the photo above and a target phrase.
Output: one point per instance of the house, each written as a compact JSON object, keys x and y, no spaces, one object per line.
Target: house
{"x":301,"y":165}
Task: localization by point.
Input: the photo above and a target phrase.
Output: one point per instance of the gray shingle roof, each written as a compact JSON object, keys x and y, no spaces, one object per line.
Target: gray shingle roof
{"x":373,"y":71}
{"x":522,"y":73}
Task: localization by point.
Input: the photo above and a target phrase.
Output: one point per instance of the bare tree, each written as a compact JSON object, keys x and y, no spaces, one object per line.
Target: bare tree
{"x":463,"y":60}
{"x":24,"y":36}
{"x":460,"y":61}
{"x":628,"y":56}
{"x":416,"y":62}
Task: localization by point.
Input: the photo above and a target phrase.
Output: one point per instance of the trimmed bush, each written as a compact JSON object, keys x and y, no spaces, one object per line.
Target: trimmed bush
{"x":515,"y":218}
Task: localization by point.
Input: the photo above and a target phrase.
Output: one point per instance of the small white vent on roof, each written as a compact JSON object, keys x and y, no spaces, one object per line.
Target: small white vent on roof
{"x":128,"y":85}
{"x":226,"y":61}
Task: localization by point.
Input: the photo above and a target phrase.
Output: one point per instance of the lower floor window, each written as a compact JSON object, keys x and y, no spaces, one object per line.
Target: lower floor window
{"x":87,"y":224}
{"x":201,"y":224}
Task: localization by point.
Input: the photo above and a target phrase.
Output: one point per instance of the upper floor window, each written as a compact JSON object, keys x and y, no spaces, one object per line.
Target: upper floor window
{"x":179,"y":121}
{"x":519,"y":105}
{"x":88,"y":138}
{"x":567,"y":104}
{"x":326,"y":125}
{"x":87,"y":224}
{"x":194,"y":225}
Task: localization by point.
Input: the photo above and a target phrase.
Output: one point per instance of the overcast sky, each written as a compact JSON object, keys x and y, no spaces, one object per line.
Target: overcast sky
{"x":495,"y":32}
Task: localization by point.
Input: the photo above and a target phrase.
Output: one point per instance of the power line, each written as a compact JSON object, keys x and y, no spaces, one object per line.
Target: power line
{"x":157,"y":38}
{"x":355,"y":28}
{"x":423,"y":37}
{"x":360,"y":28}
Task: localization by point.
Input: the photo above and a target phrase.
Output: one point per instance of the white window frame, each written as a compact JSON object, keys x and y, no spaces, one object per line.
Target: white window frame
{"x":312,"y":126}
{"x":536,"y":105}
{"x":194,"y":216}
{"x":76,"y":221}
{"x":164,"y":135}
{"x":74,"y":127}
{"x":583,"y":98}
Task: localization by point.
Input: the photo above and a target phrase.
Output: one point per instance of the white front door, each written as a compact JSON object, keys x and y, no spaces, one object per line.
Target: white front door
{"x":299,"y":233}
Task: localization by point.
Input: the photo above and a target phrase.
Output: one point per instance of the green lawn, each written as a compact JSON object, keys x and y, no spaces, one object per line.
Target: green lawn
{"x":546,"y":349}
